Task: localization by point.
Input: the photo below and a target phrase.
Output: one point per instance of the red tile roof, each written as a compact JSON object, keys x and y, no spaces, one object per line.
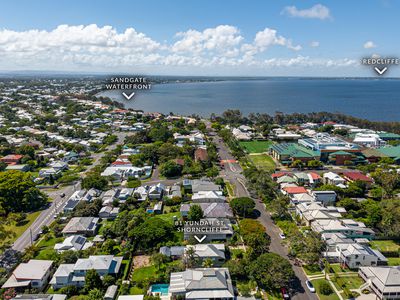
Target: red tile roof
{"x":295,"y":190}
{"x":357,"y":176}
{"x":279,"y":174}
{"x":119,"y":162}
{"x":314,"y":175}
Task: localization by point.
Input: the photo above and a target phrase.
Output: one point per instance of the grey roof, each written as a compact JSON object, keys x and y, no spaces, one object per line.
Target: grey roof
{"x":204,"y":185}
{"x":79,"y":224}
{"x":211,"y":210}
{"x":203,"y":283}
{"x":209,"y":250}
{"x":172,"y":251}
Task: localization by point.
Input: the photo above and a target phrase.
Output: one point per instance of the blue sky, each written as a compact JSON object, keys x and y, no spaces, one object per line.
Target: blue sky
{"x":199,"y":37}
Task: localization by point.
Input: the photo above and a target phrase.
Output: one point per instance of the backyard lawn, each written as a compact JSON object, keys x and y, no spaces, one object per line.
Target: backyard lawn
{"x":351,"y":282}
{"x":263,"y":161}
{"x":393,"y":261}
{"x":256,"y":146}
{"x":316,"y":284}
{"x":385,"y":245}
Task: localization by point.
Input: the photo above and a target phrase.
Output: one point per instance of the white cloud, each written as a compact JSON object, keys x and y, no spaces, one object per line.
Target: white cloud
{"x":94,"y":48}
{"x":369,"y":45}
{"x":314,"y":44}
{"x":221,"y":38}
{"x":318,"y":11}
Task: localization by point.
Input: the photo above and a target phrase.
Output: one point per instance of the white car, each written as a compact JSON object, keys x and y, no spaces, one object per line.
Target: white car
{"x":282,"y":236}
{"x":310,"y":286}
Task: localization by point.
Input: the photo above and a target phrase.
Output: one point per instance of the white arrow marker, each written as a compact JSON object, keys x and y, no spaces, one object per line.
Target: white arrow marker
{"x":128,"y":97}
{"x":379,"y":71}
{"x":200,"y":240}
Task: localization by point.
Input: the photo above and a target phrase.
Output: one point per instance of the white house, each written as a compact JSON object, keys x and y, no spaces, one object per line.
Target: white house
{"x":208,"y":197}
{"x":33,"y":274}
{"x":73,"y":242}
{"x":383,"y":281}
{"x":74,"y":274}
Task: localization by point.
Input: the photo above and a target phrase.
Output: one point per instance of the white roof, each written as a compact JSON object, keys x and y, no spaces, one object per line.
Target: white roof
{"x":33,"y":269}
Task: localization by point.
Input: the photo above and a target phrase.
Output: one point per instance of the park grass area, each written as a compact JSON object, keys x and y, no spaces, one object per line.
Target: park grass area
{"x":169,"y":217}
{"x":393,"y":261}
{"x":18,"y":230}
{"x":312,"y":270}
{"x":255,"y":146}
{"x":263,"y":161}
{"x":350,"y":282}
{"x":317,"y":283}
{"x":385,"y":245}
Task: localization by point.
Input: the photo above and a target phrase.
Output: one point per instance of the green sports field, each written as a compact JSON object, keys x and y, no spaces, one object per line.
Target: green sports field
{"x":255,"y":146}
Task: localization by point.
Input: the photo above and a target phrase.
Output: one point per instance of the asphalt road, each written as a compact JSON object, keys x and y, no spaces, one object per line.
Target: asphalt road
{"x":47,"y":216}
{"x":232,"y":172}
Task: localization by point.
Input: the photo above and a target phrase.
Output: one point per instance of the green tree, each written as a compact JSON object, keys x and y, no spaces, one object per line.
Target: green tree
{"x":242,"y":206}
{"x":95,"y":181}
{"x":92,"y":280}
{"x":195,"y":213}
{"x":108,"y":280}
{"x":95,"y":294}
{"x":271,"y":271}
{"x":170,"y":169}
{"x":325,"y":288}
{"x":258,"y":242}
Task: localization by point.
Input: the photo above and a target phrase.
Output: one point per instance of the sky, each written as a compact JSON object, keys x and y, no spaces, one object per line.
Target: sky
{"x":216,"y":38}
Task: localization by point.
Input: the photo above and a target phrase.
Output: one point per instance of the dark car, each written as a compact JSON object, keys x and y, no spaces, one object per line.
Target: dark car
{"x":285,"y":293}
{"x":62,"y":195}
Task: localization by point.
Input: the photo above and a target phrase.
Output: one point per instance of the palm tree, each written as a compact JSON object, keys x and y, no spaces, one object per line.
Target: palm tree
{"x":190,"y":257}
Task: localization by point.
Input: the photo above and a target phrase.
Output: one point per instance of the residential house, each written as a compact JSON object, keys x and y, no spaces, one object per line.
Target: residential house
{"x":49,"y":172}
{"x":156,"y":191}
{"x":59,"y":165}
{"x":141,"y":193}
{"x":349,"y":228}
{"x":108,"y":212}
{"x":174,"y":252}
{"x":73,"y":242}
{"x":40,"y":297}
{"x":215,"y":252}
{"x":11,"y":159}
{"x":173,"y":191}
{"x":210,"y":210}
{"x":333,"y":179}
{"x":358,"y":176}
{"x":202,"y":283}
{"x":208,"y":197}
{"x":201,"y":185}
{"x":325,"y":197}
{"x":383,"y":281}
{"x":354,"y":255}
{"x":74,"y":274}
{"x":33,"y":274}
{"x":21,"y":168}
{"x":82,"y":225}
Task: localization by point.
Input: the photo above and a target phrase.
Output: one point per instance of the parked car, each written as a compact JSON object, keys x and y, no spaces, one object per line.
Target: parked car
{"x":285,"y":293}
{"x":62,"y":195}
{"x":282,"y":236}
{"x":310,"y":286}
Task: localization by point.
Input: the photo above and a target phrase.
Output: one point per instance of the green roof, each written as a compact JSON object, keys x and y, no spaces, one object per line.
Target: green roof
{"x":392,"y":152}
{"x":294,"y":150}
{"x":389,"y":135}
{"x":340,"y":153}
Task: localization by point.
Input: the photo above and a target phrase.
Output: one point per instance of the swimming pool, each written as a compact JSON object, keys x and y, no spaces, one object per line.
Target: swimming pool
{"x":161,"y":289}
